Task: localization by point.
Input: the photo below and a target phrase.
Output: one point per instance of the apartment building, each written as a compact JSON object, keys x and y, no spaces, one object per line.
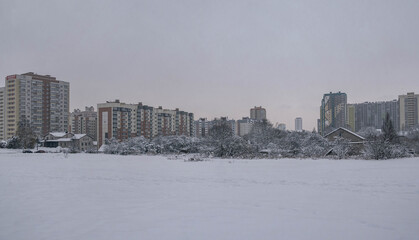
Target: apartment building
{"x":41,"y":100}
{"x":244,"y":126}
{"x":409,"y":110}
{"x":122,"y":121}
{"x":2,"y":89}
{"x":372,"y":114}
{"x":332,"y":112}
{"x":202,"y":127}
{"x":84,"y":122}
{"x":258,"y":113}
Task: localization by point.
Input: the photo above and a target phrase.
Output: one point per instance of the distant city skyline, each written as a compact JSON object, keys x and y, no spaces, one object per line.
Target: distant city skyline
{"x":217,"y":58}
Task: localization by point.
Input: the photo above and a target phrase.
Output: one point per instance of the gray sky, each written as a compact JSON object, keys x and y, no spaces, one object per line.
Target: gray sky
{"x":217,"y":58}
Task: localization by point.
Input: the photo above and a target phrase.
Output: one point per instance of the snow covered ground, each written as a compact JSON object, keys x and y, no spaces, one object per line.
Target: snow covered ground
{"x":49,"y":196}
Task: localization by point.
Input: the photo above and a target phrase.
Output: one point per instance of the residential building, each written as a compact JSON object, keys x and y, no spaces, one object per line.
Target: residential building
{"x":332,"y":112}
{"x":356,"y":141}
{"x":244,"y":126}
{"x":122,"y":121}
{"x":350,"y":121}
{"x":2,"y":96}
{"x":258,"y":113}
{"x":372,"y":114}
{"x":202,"y":127}
{"x":84,"y":122}
{"x":78,"y":142}
{"x":41,"y":100}
{"x":299,"y":124}
{"x":409,"y":111}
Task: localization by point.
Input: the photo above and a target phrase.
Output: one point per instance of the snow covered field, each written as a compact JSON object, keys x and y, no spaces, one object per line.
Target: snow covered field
{"x":48,"y":196}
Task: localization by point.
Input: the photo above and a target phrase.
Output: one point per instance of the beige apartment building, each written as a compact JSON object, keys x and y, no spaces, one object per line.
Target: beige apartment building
{"x":409,"y":110}
{"x":122,"y":121}
{"x":84,"y":122}
{"x":41,"y":100}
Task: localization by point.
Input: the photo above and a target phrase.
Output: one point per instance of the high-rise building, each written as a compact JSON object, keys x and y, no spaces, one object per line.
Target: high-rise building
{"x":409,"y":110}
{"x":244,"y":126}
{"x":332,"y":112}
{"x":202,"y":127}
{"x":2,"y":113}
{"x":299,"y":124}
{"x":41,"y":100}
{"x":84,"y":122}
{"x":258,"y":113}
{"x":350,"y":117}
{"x":372,"y":114}
{"x":122,"y":121}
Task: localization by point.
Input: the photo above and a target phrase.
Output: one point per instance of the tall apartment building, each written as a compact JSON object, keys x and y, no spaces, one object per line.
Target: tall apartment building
{"x":258,"y":113}
{"x":244,"y":126}
{"x":41,"y":100}
{"x":299,"y":124}
{"x":332,"y":112}
{"x":372,"y":114}
{"x":202,"y":127}
{"x":2,"y":89}
{"x":122,"y":121}
{"x":84,"y":122}
{"x":350,"y":117}
{"x":409,"y":110}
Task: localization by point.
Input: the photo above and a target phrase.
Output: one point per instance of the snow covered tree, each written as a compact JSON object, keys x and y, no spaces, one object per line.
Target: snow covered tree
{"x":369,"y":132}
{"x":341,"y":147}
{"x":314,"y":145}
{"x":413,"y":139}
{"x":220,"y":135}
{"x":25,"y":134}
{"x":13,"y":143}
{"x":389,"y":133}
{"x":112,"y":146}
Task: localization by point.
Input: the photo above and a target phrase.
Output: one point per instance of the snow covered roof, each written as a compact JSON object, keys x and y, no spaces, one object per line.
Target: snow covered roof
{"x":58,"y":134}
{"x":78,"y":136}
{"x":344,"y":129}
{"x":102,"y":148}
{"x":60,"y":140}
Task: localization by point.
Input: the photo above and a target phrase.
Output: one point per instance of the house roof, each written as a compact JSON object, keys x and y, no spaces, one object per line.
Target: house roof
{"x":79,"y":136}
{"x":60,"y":140}
{"x":347,"y":130}
{"x":58,"y":134}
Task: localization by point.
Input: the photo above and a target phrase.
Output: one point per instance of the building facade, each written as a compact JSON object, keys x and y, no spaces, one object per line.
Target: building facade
{"x":372,"y":114}
{"x":350,"y":117}
{"x":41,"y":100}
{"x":244,"y":126}
{"x":332,"y":112}
{"x":202,"y":127}
{"x":258,"y":113}
{"x":409,"y":111}
{"x":2,"y":89}
{"x":299,"y":124}
{"x":122,"y":121}
{"x":84,"y":122}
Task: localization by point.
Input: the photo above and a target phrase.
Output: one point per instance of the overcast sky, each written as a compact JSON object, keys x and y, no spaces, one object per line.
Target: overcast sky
{"x":217,"y":58}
